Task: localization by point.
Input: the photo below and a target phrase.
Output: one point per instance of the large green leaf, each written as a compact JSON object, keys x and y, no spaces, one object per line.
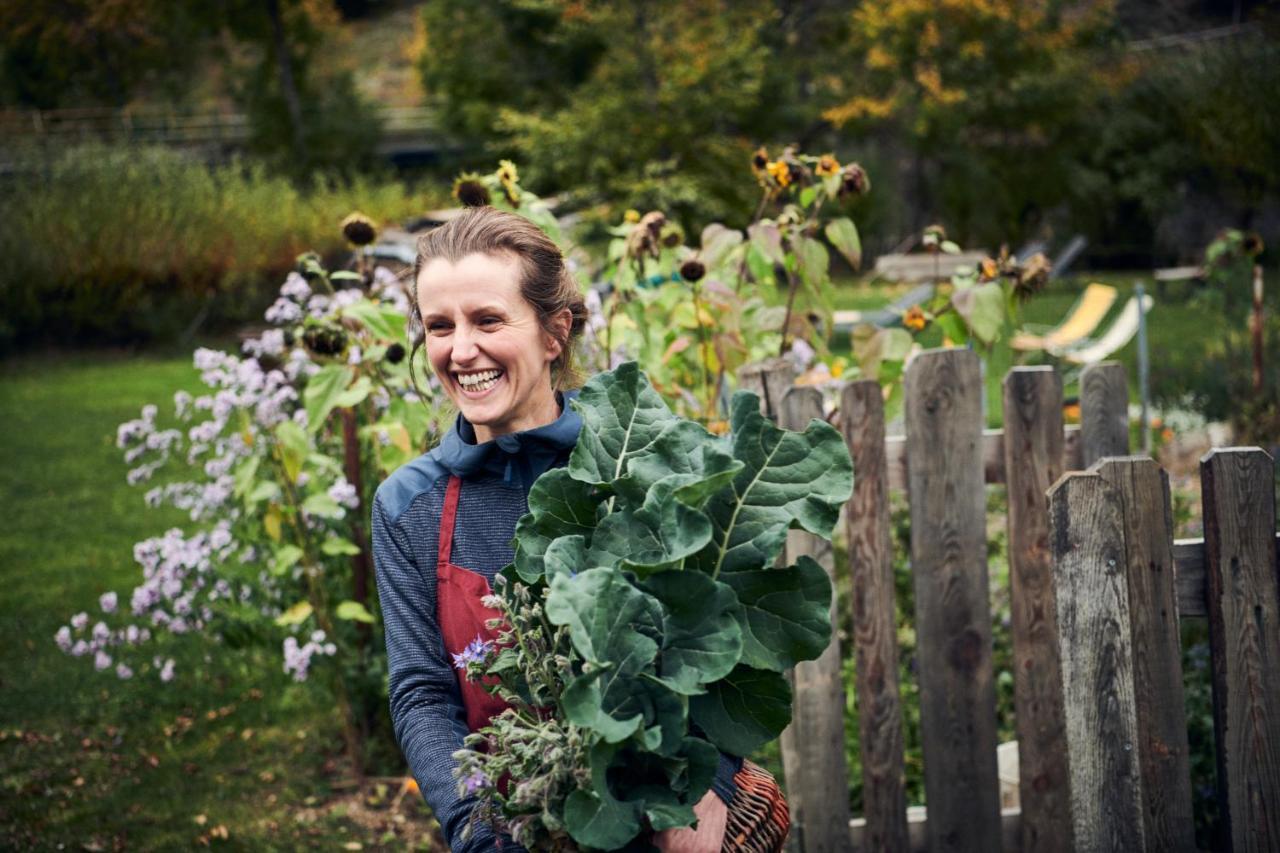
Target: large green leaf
{"x":660,"y":533}
{"x":717,"y":243}
{"x":982,"y":307}
{"x":744,"y":711}
{"x":596,"y":818}
{"x":621,"y":416}
{"x":323,"y":389}
{"x":790,"y":479}
{"x":702,"y":640}
{"x":785,"y":613}
{"x":815,"y":261}
{"x":558,"y":506}
{"x":611,"y":622}
{"x":583,"y":702}
{"x":384,"y":321}
{"x":701,"y":463}
{"x":843,"y":234}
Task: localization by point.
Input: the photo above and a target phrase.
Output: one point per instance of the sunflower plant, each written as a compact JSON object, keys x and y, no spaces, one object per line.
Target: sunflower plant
{"x":694,"y":312}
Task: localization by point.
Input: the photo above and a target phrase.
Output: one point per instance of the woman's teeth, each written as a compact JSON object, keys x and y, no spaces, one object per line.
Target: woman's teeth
{"x":482,"y":381}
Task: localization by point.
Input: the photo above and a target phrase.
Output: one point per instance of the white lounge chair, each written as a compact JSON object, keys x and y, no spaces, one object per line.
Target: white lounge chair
{"x":1116,"y":336}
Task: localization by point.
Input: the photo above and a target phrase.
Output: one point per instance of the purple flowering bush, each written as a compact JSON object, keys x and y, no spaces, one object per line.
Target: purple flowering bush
{"x":274,"y":464}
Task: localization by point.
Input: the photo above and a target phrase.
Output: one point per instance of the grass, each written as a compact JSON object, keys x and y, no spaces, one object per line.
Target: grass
{"x":1171,"y":323}
{"x":88,"y":761}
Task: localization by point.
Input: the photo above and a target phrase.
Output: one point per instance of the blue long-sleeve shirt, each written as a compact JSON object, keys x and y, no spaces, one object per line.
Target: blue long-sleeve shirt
{"x":426,"y":706}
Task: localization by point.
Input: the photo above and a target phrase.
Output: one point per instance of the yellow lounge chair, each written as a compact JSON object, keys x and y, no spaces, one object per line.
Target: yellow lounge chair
{"x":1080,"y":321}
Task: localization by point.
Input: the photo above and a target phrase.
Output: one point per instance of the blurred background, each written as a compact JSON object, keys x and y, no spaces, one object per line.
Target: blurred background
{"x":163,"y":163}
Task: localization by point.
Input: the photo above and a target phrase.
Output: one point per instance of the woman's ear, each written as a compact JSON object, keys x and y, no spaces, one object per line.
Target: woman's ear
{"x":561,"y":323}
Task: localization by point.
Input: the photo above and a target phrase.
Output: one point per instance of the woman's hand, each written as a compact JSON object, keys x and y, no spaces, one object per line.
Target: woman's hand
{"x":713,"y":816}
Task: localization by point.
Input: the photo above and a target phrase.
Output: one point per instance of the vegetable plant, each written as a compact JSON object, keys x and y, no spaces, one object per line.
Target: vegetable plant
{"x":646,"y":626}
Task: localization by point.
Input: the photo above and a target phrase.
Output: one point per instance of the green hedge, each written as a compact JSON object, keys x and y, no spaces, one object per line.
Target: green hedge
{"x":113,"y":244}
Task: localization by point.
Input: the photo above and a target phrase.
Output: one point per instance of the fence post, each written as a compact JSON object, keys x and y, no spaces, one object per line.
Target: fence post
{"x":1163,"y":751}
{"x":944,"y":421}
{"x":813,"y":745}
{"x":768,"y":380}
{"x":1033,"y":461}
{"x":875,"y":629}
{"x":1104,"y":411}
{"x":1087,"y":540}
{"x":1244,"y":638}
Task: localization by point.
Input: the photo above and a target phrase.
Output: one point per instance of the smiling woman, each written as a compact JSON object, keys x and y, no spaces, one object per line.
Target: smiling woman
{"x":497,"y":313}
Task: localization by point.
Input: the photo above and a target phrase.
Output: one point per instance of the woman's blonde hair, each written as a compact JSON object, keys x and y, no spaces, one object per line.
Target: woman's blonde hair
{"x":545,"y":281}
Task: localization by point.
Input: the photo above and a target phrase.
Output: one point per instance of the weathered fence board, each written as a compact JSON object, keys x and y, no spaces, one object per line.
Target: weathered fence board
{"x":768,"y":380}
{"x":1033,"y":454}
{"x":953,"y":620}
{"x":875,"y":638}
{"x":992,"y":455}
{"x":1244,"y":637}
{"x":1189,"y":572}
{"x":1163,"y":751}
{"x":1087,"y":538}
{"x":813,"y":745}
{"x":1104,"y":411}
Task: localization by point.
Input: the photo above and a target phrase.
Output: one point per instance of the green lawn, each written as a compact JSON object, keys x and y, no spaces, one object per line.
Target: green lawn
{"x":88,"y":761}
{"x":1172,"y":323}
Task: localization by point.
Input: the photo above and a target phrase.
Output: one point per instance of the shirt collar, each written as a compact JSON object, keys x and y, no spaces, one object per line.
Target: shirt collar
{"x":518,"y":457}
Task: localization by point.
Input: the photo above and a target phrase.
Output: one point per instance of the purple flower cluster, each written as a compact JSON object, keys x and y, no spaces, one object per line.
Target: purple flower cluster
{"x":221,"y":434}
{"x":297,"y":659}
{"x":475,"y":652}
{"x":344,"y":493}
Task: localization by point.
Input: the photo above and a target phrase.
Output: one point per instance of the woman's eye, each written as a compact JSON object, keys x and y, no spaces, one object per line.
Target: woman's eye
{"x":437,"y":326}
{"x":490,"y":321}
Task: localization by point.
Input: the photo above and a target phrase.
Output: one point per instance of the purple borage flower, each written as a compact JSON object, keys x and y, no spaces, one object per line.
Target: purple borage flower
{"x":475,"y":652}
{"x":476,"y":781}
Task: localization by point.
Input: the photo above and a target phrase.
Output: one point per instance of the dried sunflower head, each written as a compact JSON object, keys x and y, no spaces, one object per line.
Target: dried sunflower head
{"x":359,"y":229}
{"x":854,"y":180}
{"x":470,"y":190}
{"x":692,"y":270}
{"x":1033,"y":276}
{"x":759,"y":161}
{"x":827,"y":166}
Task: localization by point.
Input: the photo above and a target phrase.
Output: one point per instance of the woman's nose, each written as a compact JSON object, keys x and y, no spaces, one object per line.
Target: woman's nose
{"x":464,"y":344}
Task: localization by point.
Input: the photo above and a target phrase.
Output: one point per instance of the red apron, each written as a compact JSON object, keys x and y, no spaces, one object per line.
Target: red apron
{"x":461,"y":614}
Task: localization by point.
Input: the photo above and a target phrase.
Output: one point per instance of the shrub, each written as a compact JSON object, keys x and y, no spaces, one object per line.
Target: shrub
{"x":114,"y":244}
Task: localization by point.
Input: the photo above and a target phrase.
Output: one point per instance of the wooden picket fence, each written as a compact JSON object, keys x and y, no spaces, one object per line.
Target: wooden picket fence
{"x":1098,"y":586}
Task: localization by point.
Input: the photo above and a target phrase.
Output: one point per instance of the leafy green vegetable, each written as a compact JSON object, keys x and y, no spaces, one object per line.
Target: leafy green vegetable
{"x":653,"y":555}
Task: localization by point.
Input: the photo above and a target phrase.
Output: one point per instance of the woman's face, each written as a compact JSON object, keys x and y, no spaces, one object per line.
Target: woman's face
{"x":486,"y":345}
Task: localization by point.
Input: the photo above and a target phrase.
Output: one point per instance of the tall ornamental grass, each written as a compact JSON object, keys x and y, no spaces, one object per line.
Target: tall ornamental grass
{"x":123,"y":244}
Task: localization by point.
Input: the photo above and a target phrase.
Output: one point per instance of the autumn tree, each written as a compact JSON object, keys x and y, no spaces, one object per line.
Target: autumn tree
{"x":984,"y":93}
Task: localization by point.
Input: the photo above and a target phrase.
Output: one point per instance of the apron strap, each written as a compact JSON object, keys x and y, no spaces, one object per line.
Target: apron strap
{"x":444,"y":553}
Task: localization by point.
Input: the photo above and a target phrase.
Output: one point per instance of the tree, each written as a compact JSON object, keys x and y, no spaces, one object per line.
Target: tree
{"x":984,"y":93}
{"x":653,"y":104}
